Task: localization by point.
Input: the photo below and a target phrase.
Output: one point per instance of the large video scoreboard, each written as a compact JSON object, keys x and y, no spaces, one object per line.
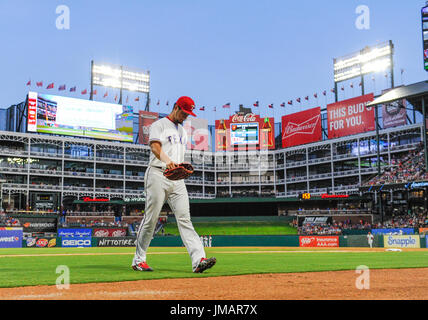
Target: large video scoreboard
{"x":80,"y":118}
{"x":425,"y":35}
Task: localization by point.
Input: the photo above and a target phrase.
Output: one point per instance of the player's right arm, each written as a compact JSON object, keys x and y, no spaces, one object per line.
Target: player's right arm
{"x":156,"y":148}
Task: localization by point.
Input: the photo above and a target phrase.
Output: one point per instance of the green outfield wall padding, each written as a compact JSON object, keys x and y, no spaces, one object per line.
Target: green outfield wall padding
{"x":284,"y":219}
{"x":423,"y":241}
{"x":233,"y":241}
{"x":343,"y":241}
{"x":380,"y":239}
{"x":255,"y":241}
{"x":360,"y":241}
{"x":167,"y":241}
{"x":346,"y":232}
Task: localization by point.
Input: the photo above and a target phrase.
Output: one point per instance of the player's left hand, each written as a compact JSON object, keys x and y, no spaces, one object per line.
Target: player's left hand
{"x":181,"y":171}
{"x":171,"y":165}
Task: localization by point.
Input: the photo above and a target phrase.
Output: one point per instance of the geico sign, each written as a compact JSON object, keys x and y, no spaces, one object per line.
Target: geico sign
{"x":73,"y":242}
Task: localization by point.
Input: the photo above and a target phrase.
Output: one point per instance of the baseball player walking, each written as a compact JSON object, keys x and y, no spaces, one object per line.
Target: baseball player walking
{"x":168,"y":141}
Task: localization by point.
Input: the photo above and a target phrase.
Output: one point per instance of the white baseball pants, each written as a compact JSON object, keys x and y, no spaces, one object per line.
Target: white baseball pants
{"x":158,"y":190}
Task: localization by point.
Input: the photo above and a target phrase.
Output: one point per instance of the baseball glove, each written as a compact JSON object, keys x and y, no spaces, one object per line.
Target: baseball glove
{"x":182,"y":171}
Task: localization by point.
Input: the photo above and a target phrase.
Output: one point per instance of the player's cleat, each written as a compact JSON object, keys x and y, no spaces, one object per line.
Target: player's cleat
{"x":205,"y":264}
{"x":142,"y":266}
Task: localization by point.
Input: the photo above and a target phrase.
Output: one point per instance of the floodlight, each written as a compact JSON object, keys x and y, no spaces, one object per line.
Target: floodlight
{"x":368,"y":60}
{"x":119,"y":77}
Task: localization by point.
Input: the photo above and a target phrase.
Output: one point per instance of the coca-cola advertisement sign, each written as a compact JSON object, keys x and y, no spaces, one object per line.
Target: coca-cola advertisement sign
{"x":249,"y":117}
{"x":145,"y":121}
{"x":350,"y":117}
{"x":301,"y":128}
{"x":245,"y":132}
{"x":109,"y":232}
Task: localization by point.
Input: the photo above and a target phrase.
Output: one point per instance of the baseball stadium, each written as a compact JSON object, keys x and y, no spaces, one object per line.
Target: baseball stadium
{"x":329,"y":202}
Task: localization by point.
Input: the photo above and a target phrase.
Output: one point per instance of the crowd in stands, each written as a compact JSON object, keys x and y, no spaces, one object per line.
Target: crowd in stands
{"x":92,"y":223}
{"x":6,"y":221}
{"x":93,"y":213}
{"x":159,"y":228}
{"x":319,"y":229}
{"x":136,"y":212}
{"x":336,"y":228}
{"x":407,"y":221}
{"x":402,"y":170}
{"x":338,"y":211}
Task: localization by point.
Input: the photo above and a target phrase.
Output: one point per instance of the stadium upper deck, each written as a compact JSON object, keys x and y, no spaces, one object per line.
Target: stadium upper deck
{"x":44,"y":172}
{"x":332,"y":151}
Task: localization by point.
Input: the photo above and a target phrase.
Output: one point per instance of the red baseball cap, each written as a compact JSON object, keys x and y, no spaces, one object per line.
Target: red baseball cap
{"x":187,"y":105}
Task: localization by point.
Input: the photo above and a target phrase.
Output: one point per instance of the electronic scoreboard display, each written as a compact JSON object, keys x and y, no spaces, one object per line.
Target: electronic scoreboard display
{"x":244,"y":133}
{"x":425,"y":36}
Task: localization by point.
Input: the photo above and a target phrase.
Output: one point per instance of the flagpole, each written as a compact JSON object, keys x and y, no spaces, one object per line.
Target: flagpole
{"x":257,"y":107}
{"x":91,"y":96}
{"x":374,"y":85}
{"x":273,"y":113}
{"x":259,"y":110}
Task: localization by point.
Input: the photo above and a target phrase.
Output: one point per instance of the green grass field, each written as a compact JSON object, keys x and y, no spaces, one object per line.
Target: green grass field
{"x":29,"y":267}
{"x":236,"y":228}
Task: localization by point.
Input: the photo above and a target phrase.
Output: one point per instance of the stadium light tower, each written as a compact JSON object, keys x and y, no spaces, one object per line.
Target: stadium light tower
{"x":119,"y":77}
{"x":368,"y":60}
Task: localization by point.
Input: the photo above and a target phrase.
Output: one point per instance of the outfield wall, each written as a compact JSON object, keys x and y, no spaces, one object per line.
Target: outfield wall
{"x":357,"y":241}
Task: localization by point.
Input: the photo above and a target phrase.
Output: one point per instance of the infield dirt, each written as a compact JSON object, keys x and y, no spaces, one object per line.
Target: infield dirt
{"x":391,"y":284}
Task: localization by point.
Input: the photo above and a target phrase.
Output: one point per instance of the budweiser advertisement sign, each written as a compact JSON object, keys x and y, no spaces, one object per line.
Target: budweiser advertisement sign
{"x":318,"y":241}
{"x":245,"y":132}
{"x":146,"y":119}
{"x":350,"y":117}
{"x":301,"y":128}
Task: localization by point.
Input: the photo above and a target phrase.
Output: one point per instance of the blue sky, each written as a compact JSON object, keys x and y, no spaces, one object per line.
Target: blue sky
{"x":214,"y":51}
